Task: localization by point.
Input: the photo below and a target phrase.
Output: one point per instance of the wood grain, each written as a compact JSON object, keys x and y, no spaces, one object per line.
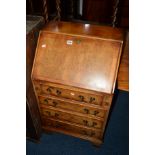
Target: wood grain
{"x":93,"y":71}
{"x":74,"y":76}
{"x":67,"y":104}
{"x":75,"y":128}
{"x":73,"y":117}
{"x":70,"y":94}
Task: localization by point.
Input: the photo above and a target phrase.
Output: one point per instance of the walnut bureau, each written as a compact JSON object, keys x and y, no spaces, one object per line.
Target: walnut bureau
{"x":74,"y":76}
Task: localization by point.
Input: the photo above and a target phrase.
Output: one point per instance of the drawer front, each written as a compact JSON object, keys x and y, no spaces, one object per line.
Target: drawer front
{"x":70,"y":94}
{"x":72,"y":106}
{"x":72,"y":128}
{"x":85,"y":121}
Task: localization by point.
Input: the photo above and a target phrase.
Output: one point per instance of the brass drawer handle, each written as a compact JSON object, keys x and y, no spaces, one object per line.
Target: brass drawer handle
{"x":86,"y":111}
{"x":96,"y":112}
{"x":46,"y":101}
{"x":92,"y":99}
{"x":49,"y":89}
{"x":85,"y":122}
{"x":56,"y":115}
{"x":54,"y":104}
{"x":94,"y":124}
{"x":81,"y":97}
{"x":58,"y":92}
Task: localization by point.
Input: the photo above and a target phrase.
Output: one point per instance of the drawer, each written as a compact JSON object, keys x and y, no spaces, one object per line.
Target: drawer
{"x":70,"y":117}
{"x":60,"y":125}
{"x":72,"y":106}
{"x":70,"y":94}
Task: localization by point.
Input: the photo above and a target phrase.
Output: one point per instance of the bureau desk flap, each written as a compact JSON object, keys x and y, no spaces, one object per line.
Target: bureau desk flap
{"x":79,"y":61}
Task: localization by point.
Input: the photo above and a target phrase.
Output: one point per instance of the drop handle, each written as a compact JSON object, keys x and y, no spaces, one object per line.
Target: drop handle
{"x":81,"y":97}
{"x":85,"y":122}
{"x":94,"y":124}
{"x":54,"y":104}
{"x":49,"y":89}
{"x":86,"y":111}
{"x":56,"y":114}
{"x":46,"y":101}
{"x":58,"y":92}
{"x":91,"y":99}
{"x":96,"y":112}
{"x":48,"y":113}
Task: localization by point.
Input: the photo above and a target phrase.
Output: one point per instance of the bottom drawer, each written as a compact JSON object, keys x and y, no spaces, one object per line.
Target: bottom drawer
{"x":76,"y":129}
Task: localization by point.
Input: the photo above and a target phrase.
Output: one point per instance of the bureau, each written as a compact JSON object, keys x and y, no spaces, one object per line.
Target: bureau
{"x":74,"y":76}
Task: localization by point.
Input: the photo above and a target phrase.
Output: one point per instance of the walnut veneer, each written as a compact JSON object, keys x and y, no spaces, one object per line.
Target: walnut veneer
{"x":74,"y":75}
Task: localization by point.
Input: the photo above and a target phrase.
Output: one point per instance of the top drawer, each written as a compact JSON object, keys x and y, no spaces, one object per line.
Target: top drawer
{"x":69,"y":94}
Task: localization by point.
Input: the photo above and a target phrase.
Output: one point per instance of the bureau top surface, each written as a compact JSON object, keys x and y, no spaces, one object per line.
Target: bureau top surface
{"x":106,"y":32}
{"x":88,"y":62}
